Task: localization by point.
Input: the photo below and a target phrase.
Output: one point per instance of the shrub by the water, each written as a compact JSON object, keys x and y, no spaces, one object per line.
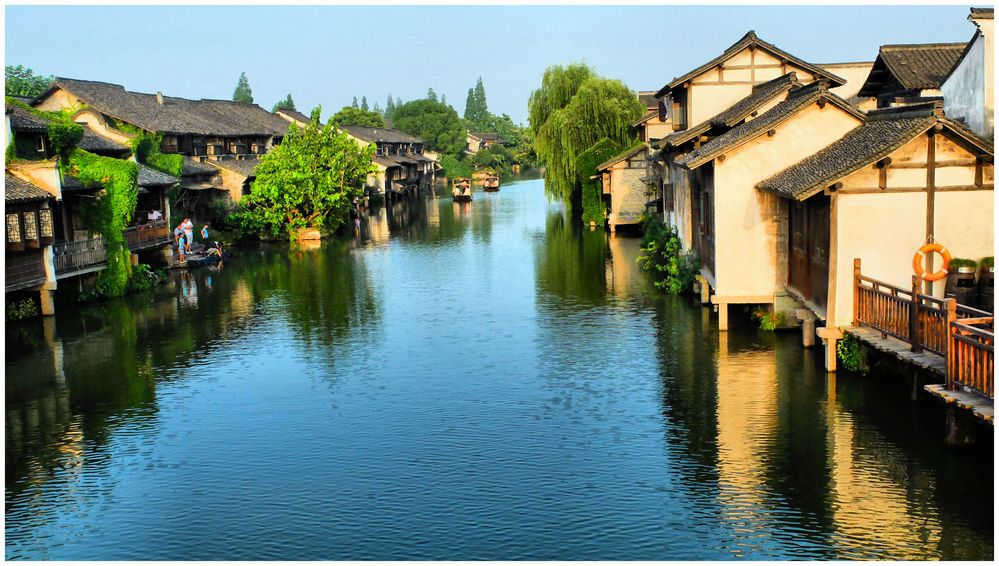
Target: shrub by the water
{"x":20,"y":310}
{"x":663,"y":256}
{"x":851,"y":355}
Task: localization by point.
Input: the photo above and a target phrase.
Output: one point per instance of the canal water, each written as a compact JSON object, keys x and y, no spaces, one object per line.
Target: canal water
{"x":462,"y":382}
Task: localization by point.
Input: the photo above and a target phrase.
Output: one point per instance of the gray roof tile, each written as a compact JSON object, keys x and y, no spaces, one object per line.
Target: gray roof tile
{"x":17,"y":190}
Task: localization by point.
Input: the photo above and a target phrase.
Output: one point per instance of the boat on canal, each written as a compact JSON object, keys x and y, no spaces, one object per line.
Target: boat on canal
{"x":492,"y":184}
{"x":461,"y":189}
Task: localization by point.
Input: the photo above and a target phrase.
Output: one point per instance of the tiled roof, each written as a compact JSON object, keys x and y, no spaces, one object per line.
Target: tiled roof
{"x":884,"y":131}
{"x":387,"y":135}
{"x":984,"y":13}
{"x":797,"y":100}
{"x":23,"y":121}
{"x":149,"y":177}
{"x":621,"y":156}
{"x":648,"y":116}
{"x":736,"y":113}
{"x":915,"y":67}
{"x":17,"y":190}
{"x":99,"y":144}
{"x":194,"y":167}
{"x":174,"y":115}
{"x":648,"y":98}
{"x":746,"y":41}
{"x":245,"y":167}
{"x":294,"y":114}
{"x":487,"y":136}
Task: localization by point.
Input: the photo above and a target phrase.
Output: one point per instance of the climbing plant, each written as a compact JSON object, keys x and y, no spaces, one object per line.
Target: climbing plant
{"x":146,"y":148}
{"x":850,"y":353}
{"x":110,"y":212}
{"x":586,"y":167}
{"x":662,"y":254}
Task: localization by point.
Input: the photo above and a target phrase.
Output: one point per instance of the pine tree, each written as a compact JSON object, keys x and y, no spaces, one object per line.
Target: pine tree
{"x":243,"y":92}
{"x":354,"y":104}
{"x":398,"y":102}
{"x":377,"y":109}
{"x":431,"y":94}
{"x":364,"y":103}
{"x":480,"y":101}
{"x":444,"y":99}
{"x":286,"y":104}
{"x":469,"y":104}
{"x":389,"y":106}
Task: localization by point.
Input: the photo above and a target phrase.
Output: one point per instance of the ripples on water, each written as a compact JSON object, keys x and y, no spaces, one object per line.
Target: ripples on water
{"x":462,"y":382}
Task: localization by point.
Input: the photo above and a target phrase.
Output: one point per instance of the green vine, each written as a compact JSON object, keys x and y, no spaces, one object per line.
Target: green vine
{"x":146,"y":147}
{"x":769,"y":321}
{"x":20,"y":310}
{"x":850,"y":353}
{"x":662,"y":254}
{"x":109,"y":212}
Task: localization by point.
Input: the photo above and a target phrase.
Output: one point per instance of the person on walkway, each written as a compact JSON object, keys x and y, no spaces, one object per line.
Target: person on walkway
{"x":188,"y":231}
{"x":180,"y":247}
{"x":154,"y":215}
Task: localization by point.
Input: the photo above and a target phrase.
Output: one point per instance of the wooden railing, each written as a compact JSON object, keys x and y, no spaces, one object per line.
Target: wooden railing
{"x":147,"y":235}
{"x":965,"y":336}
{"x":23,"y":269}
{"x":971,"y":355}
{"x":80,"y":255}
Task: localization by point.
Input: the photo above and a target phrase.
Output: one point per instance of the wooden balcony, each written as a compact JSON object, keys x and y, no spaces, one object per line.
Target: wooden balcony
{"x":77,"y":258}
{"x":23,"y":270}
{"x":148,"y":236}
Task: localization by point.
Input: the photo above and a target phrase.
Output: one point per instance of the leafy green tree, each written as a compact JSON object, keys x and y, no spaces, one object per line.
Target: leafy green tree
{"x":309,"y":181}
{"x":586,"y":167}
{"x":364,"y":103}
{"x":476,"y":109}
{"x":22,"y":81}
{"x":431,"y":95}
{"x":389,"y":106}
{"x":286,"y":104}
{"x":438,"y":125}
{"x":377,"y":110}
{"x":398,"y":102}
{"x":243,"y":92}
{"x":573,"y":109}
{"x":350,"y":116}
{"x":443,"y":99}
{"x":354,"y":103}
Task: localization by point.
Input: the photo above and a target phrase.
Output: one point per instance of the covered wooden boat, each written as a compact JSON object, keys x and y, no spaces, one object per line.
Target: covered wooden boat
{"x":461,"y":189}
{"x":492,"y":184}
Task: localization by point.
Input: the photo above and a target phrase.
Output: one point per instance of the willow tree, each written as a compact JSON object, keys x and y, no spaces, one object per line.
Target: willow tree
{"x":574,"y":109}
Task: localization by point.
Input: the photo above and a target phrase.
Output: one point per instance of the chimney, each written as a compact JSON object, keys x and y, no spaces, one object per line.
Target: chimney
{"x":159,"y":98}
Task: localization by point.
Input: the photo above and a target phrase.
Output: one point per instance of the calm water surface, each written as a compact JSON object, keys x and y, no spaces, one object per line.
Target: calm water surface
{"x":462,"y":382}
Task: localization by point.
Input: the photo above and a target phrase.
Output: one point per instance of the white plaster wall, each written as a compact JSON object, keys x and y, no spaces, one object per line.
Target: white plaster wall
{"x":746,"y":219}
{"x":854,"y":73}
{"x":964,"y":91}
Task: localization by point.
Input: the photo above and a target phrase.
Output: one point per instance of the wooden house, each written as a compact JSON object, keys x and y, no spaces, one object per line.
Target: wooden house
{"x":482,"y":140}
{"x":30,"y":233}
{"x":201,"y":130}
{"x":910,"y":73}
{"x":623,"y":185}
{"x":905,"y":176}
{"x":400,"y":158}
{"x":969,"y":89}
{"x":736,"y":228}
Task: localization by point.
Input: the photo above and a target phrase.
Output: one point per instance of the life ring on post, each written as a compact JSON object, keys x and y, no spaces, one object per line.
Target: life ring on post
{"x":917,"y":262}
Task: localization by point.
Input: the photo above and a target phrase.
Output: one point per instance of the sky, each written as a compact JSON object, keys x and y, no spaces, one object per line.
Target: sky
{"x":326,"y":55}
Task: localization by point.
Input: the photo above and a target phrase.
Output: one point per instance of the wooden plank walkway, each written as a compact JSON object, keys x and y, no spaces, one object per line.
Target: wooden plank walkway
{"x":899,"y":349}
{"x":980,"y":406}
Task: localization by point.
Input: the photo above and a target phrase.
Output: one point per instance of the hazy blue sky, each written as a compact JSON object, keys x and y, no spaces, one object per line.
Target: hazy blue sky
{"x":328,"y":54}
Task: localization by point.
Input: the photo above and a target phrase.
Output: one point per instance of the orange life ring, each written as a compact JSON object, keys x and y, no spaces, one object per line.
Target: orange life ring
{"x":917,"y":262}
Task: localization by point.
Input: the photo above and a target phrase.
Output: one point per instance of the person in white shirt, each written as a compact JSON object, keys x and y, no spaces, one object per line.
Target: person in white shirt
{"x":154,"y":215}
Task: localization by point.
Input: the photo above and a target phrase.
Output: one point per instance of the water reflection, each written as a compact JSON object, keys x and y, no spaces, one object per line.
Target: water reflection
{"x":486,"y":381}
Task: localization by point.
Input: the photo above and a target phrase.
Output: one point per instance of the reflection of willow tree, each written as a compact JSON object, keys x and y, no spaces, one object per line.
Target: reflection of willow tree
{"x":686,"y":353}
{"x":572,"y":263}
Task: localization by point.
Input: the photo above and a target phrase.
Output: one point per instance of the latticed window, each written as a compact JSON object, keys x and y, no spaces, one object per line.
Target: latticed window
{"x":45,"y":222}
{"x":30,"y":226}
{"x":14,"y":228}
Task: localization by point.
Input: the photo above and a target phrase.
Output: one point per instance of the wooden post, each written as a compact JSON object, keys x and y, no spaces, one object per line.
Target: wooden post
{"x":950,"y":305}
{"x":931,"y":179}
{"x":914,"y":317}
{"x":856,"y":290}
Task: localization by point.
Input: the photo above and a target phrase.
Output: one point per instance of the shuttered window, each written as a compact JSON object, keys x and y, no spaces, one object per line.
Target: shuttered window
{"x":30,"y":226}
{"x":14,"y":228}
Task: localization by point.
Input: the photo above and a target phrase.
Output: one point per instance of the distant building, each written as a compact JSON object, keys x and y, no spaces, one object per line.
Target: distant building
{"x":623,"y":185}
{"x":293,"y":116}
{"x":402,"y":163}
{"x":482,"y":140}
